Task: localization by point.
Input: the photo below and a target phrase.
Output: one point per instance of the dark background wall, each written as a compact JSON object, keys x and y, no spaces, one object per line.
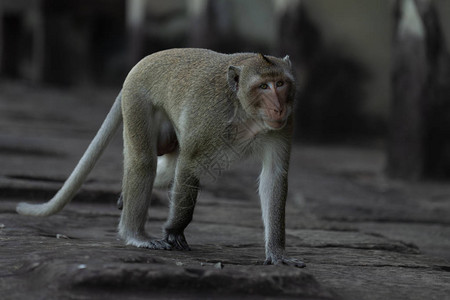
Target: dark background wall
{"x":344,"y":52}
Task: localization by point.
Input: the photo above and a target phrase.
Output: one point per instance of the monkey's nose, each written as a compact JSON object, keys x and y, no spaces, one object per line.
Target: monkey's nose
{"x":279,"y":111}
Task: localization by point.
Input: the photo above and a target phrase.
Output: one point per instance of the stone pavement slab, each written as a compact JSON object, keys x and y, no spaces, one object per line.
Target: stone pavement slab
{"x":361,"y":235}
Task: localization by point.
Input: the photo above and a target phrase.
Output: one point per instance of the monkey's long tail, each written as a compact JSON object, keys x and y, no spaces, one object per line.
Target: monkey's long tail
{"x":83,"y":168}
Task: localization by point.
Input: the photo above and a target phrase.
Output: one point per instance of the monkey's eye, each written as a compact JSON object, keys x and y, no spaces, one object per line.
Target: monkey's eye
{"x":280,"y":83}
{"x":263,"y":86}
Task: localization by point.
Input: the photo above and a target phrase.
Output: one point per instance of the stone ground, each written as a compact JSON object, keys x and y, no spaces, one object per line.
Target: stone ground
{"x":361,"y":235}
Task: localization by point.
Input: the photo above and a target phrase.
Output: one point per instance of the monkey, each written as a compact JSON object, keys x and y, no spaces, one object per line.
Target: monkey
{"x":179,"y":108}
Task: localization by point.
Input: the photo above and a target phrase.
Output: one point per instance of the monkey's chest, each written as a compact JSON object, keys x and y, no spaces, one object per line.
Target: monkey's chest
{"x":233,"y":144}
{"x":238,"y":140}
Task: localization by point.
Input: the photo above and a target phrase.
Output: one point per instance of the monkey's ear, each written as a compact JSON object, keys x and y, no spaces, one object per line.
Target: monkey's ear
{"x":287,"y":60}
{"x":233,"y":77}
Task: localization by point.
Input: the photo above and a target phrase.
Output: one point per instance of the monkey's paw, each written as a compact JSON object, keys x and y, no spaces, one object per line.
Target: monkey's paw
{"x":284,"y":261}
{"x":145,"y":242}
{"x":155,"y":245}
{"x":177,"y":241}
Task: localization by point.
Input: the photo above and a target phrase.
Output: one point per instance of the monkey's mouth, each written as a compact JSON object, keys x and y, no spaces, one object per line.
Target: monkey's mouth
{"x":275,"y":124}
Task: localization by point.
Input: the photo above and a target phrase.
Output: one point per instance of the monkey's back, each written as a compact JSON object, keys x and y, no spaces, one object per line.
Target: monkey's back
{"x":180,"y":74}
{"x":187,"y":84}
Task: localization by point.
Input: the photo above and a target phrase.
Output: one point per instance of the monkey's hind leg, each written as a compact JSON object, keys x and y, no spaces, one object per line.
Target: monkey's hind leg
{"x":165,"y":173}
{"x":139,"y":173}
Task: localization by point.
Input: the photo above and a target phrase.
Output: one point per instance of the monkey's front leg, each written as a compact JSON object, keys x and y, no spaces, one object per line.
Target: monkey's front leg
{"x":273,"y":186}
{"x":182,"y":203}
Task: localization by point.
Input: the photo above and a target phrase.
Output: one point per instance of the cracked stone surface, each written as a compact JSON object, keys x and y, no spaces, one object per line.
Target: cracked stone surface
{"x":361,"y":235}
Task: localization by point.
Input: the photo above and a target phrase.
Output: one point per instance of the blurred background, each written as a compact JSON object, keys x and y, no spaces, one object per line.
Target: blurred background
{"x":372,"y":72}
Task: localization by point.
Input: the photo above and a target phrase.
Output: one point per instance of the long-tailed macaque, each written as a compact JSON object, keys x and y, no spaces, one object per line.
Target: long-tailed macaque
{"x":181,"y":108}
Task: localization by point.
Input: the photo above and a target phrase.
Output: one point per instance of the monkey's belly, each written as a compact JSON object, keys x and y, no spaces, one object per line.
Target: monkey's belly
{"x":167,"y":145}
{"x":167,"y":137}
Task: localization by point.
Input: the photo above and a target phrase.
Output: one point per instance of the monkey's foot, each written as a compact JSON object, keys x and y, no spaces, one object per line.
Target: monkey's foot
{"x":149,"y":244}
{"x":171,"y":241}
{"x":285,"y":261}
{"x":177,"y":241}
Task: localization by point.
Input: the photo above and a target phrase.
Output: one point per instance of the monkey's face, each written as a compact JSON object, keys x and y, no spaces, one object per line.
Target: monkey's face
{"x":268,"y":98}
{"x":271,"y":102}
{"x":265,"y":87}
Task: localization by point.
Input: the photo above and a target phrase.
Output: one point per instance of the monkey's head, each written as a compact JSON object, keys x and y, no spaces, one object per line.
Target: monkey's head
{"x":265,"y":87}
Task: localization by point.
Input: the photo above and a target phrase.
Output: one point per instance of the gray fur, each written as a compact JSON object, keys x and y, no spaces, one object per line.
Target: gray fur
{"x":180,"y":107}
